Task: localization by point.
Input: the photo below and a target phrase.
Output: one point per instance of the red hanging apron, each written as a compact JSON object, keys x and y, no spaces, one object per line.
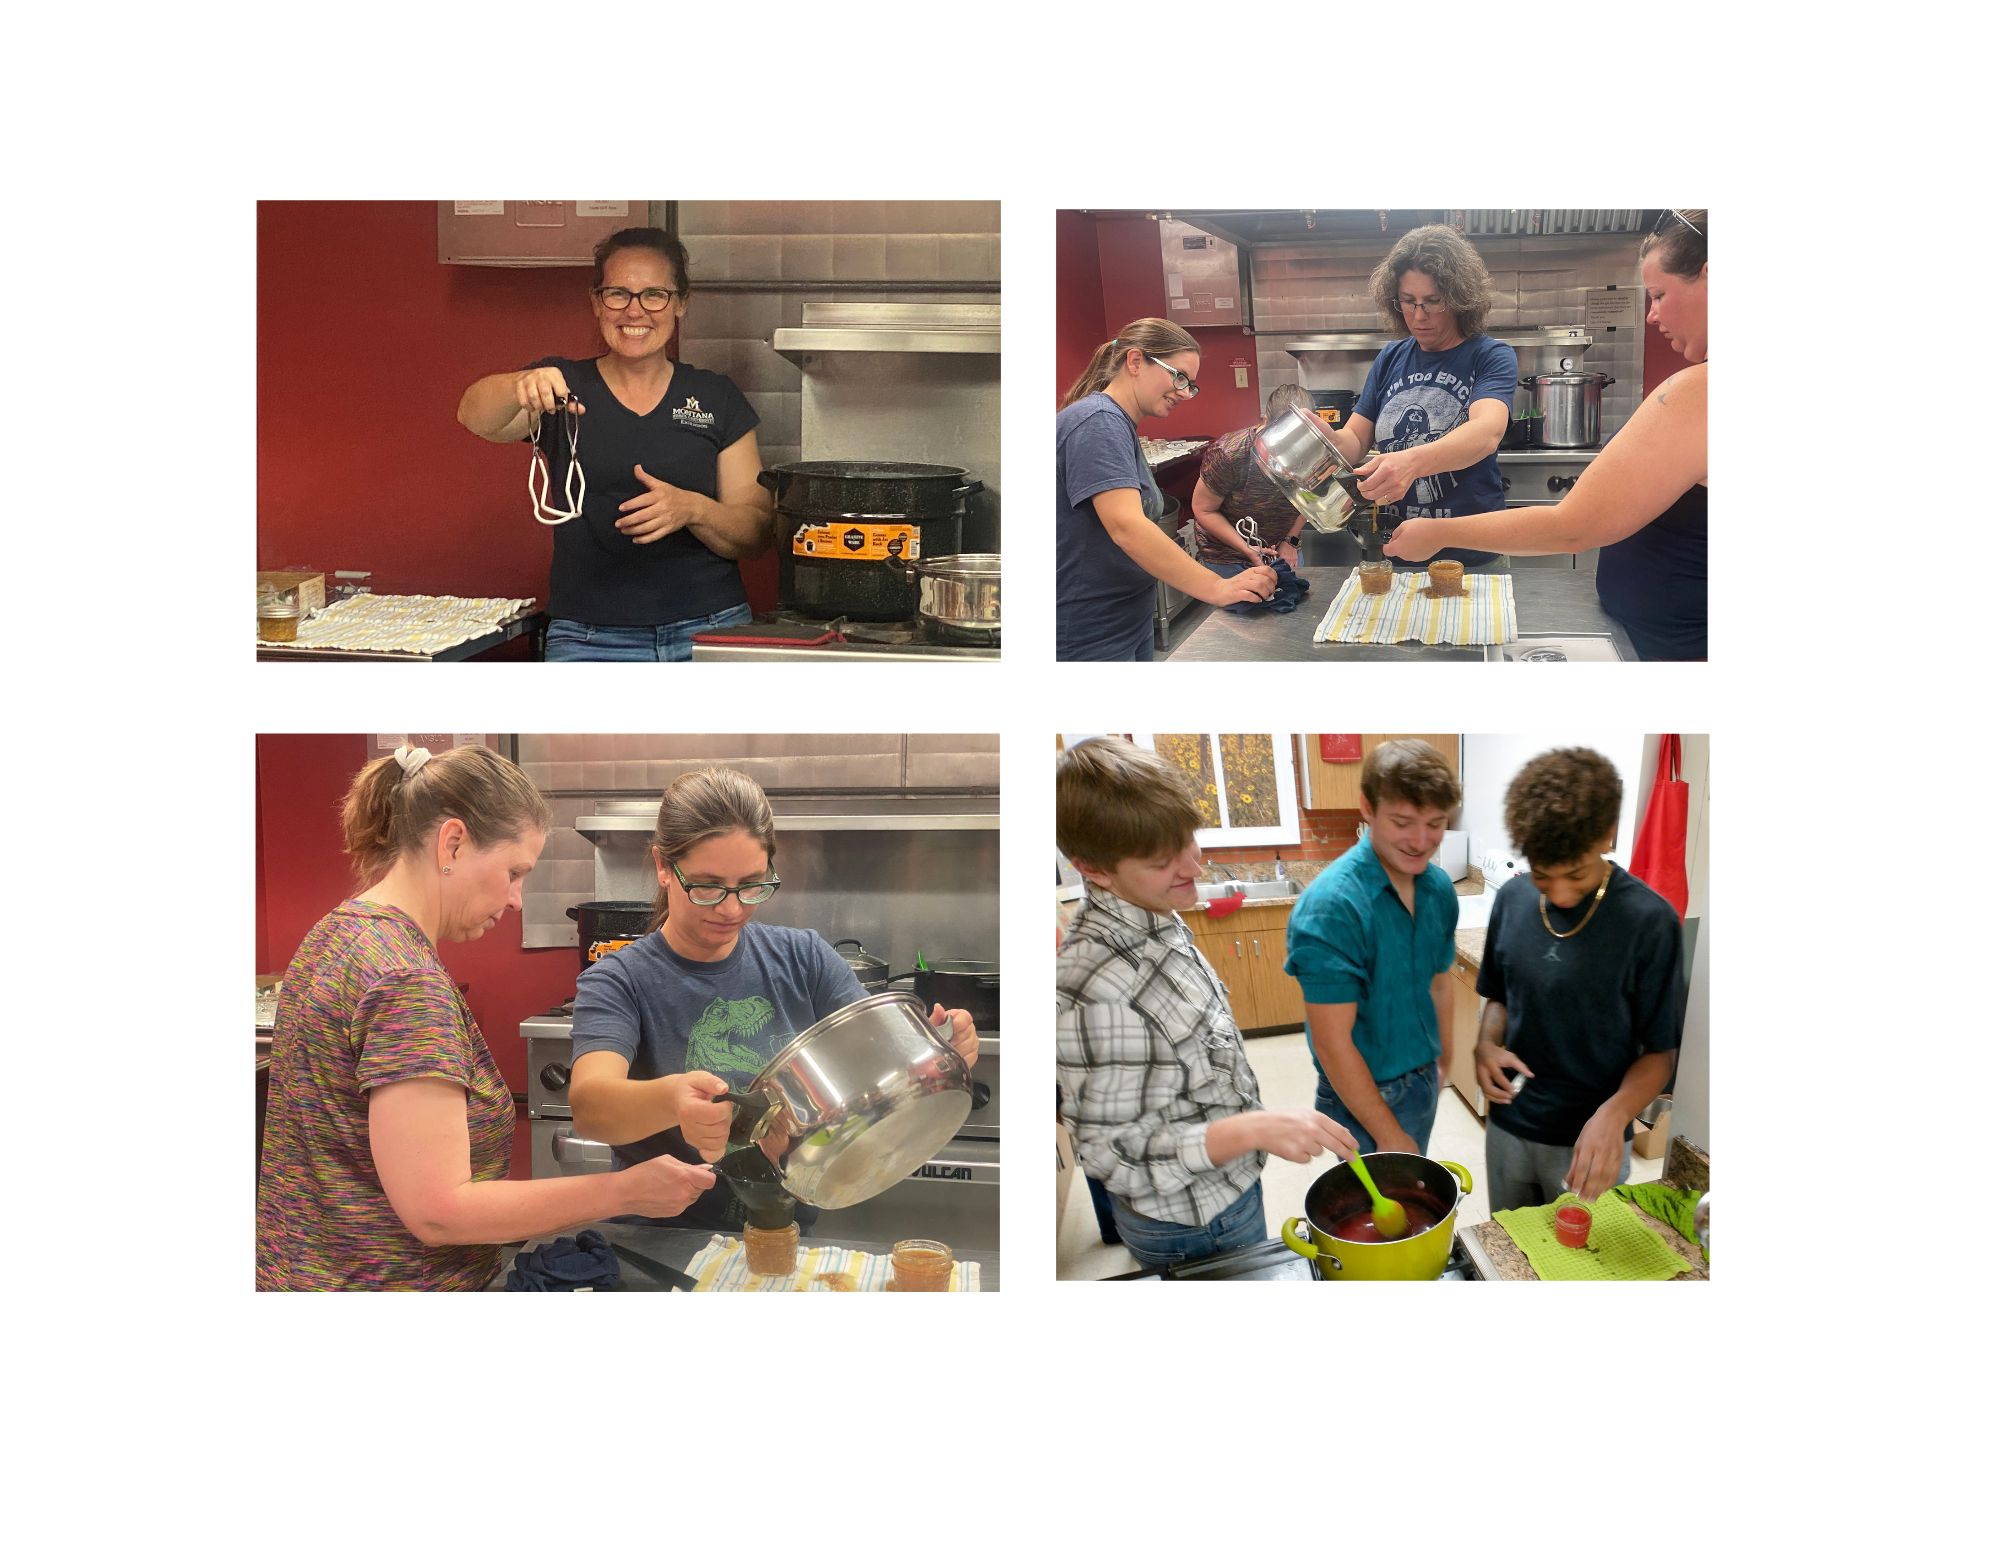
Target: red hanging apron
{"x":1659,"y":854}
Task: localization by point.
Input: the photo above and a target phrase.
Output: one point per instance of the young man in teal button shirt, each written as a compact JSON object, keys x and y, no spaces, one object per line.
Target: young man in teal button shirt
{"x":1371,"y":945}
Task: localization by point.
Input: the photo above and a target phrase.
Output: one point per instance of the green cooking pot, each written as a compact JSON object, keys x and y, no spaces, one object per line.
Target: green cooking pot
{"x":1338,"y":1195}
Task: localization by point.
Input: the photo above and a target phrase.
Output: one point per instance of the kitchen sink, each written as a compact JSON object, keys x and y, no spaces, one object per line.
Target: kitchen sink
{"x":1474,"y":910}
{"x":1264,"y":890}
{"x":1215,"y":892}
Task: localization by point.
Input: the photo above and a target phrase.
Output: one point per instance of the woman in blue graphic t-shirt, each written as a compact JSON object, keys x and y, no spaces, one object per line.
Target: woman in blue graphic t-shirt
{"x":1644,"y":500}
{"x":1435,"y":407}
{"x":671,"y":500}
{"x":698,"y":1006}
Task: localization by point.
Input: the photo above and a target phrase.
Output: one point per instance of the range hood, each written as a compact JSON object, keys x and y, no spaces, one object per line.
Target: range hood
{"x":1571,"y":340}
{"x":1292,"y":227}
{"x":853,"y":327}
{"x":617,"y":819}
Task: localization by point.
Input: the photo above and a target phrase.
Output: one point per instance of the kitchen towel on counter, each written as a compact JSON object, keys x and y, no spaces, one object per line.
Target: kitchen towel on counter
{"x":565,"y":1265}
{"x":1292,"y":588}
{"x":405,"y":624}
{"x":1483,"y":615}
{"x":721,"y":1268}
{"x":1671,"y":1207}
{"x":1621,"y":1248}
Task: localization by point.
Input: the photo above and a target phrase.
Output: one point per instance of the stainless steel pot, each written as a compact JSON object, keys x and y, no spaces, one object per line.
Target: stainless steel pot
{"x":870,"y":970}
{"x":1295,"y":450}
{"x":862,"y":1099}
{"x":962,"y":591}
{"x":1568,"y":405}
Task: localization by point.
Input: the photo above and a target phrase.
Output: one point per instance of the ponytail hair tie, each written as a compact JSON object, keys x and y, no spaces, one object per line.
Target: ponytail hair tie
{"x":411,"y":759}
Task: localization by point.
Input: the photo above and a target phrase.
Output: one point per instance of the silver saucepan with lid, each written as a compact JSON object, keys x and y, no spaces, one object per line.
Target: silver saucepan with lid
{"x":861,"y":1099}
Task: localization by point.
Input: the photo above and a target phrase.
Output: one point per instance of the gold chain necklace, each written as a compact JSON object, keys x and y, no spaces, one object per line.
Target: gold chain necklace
{"x":1579,"y":928}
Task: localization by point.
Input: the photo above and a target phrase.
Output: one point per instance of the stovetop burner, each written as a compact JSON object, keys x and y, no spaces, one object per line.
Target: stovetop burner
{"x":1275,"y":1261}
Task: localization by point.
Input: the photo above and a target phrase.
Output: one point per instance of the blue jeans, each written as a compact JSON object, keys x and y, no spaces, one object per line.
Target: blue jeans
{"x":1520,"y":1173}
{"x":569,"y":640}
{"x":1412,"y":1099}
{"x":1156,"y":1244}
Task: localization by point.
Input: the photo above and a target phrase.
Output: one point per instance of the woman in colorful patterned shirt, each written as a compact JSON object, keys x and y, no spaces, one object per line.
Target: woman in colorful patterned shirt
{"x":389,"y":1128}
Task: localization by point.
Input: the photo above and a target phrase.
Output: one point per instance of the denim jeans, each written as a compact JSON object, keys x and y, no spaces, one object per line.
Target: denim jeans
{"x":1412,"y":1099}
{"x":1156,"y":1244}
{"x":569,"y":640}
{"x":1520,"y":1173}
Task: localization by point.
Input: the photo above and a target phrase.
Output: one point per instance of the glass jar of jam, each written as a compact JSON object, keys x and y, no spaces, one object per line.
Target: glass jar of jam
{"x":771,"y":1252}
{"x":922,"y":1266}
{"x":1447,"y":577}
{"x":1377,"y":576}
{"x":278,"y":617}
{"x":1573,"y":1226}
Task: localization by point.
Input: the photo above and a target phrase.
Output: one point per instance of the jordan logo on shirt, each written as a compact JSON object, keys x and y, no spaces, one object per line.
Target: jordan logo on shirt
{"x":1553,"y":954}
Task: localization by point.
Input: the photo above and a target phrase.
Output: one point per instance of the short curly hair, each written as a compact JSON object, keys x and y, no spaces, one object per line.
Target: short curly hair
{"x":1447,"y":259}
{"x":1562,"y":804}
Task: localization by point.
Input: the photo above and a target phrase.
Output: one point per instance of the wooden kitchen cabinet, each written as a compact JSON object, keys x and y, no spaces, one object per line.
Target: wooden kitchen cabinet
{"x":1280,"y":999}
{"x":1251,"y":962}
{"x":1466,"y":1007}
{"x":1337,"y":785}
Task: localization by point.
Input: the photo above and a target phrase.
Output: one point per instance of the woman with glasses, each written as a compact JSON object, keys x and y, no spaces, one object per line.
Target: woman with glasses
{"x":390,"y":1129}
{"x":647,"y":556}
{"x":1644,"y":498}
{"x":1425,"y":433}
{"x":1109,"y":552}
{"x":700,"y":1004}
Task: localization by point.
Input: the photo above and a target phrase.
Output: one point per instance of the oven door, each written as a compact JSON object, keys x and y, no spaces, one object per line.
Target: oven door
{"x":985,"y":1122}
{"x":955,"y":1197}
{"x":555,"y":1149}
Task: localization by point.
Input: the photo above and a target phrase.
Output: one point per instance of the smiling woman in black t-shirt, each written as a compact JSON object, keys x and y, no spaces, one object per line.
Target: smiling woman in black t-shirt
{"x":669,"y":457}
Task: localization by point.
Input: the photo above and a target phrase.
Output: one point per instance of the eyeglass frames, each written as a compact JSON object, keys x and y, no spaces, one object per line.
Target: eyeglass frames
{"x":616,"y":297}
{"x":1182,"y":383}
{"x":1684,"y":220}
{"x":711,"y":895}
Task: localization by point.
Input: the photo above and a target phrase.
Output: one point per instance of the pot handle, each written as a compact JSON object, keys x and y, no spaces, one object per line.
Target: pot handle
{"x":1464,"y":1175}
{"x":1305,"y":1245}
{"x":855,"y":942}
{"x":570,"y":913}
{"x":971,"y":485}
{"x":982,"y":1096}
{"x":768,"y":478}
{"x":753,"y":1114}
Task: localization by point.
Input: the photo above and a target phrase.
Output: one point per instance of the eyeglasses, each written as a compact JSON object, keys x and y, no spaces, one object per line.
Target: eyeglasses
{"x":1684,"y":220}
{"x":616,"y":297}
{"x":1182,"y":382}
{"x":1423,"y":308}
{"x":711,"y":895}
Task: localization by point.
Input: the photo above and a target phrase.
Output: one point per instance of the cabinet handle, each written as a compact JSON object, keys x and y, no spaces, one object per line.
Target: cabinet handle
{"x":1239,"y":947}
{"x":1257,"y":947}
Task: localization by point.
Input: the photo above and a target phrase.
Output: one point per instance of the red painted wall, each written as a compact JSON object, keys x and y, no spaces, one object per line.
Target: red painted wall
{"x":302,"y":874}
{"x":1122,"y":280}
{"x":365,"y":343}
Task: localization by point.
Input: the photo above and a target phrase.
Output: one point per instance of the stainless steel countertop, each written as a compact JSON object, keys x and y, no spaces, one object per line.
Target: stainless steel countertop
{"x":1545,"y":601}
{"x":676,"y":1247}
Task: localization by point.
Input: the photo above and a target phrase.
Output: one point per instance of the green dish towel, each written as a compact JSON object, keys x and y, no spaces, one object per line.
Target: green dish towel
{"x":1671,"y":1207}
{"x":1621,"y":1248}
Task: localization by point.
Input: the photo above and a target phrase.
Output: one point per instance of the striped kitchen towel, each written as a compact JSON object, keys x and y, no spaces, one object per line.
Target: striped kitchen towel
{"x":721,"y":1268}
{"x":1483,"y":615}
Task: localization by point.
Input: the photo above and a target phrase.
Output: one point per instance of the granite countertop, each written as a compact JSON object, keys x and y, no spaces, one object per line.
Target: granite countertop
{"x":1510,"y":1265}
{"x":1471,"y":947}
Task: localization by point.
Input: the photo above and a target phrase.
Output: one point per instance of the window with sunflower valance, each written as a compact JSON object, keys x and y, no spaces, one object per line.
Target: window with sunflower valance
{"x":1245,"y":785}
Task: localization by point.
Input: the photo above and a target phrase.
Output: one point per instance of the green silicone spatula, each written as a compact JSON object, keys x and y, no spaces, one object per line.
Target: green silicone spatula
{"x":1391,"y":1222}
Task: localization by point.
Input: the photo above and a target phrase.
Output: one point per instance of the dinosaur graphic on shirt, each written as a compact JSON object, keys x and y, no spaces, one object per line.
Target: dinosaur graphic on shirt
{"x":726,"y":1038}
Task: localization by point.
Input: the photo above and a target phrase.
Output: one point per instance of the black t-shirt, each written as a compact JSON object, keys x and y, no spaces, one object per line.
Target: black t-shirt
{"x":1580,"y":1011}
{"x":600,"y":575}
